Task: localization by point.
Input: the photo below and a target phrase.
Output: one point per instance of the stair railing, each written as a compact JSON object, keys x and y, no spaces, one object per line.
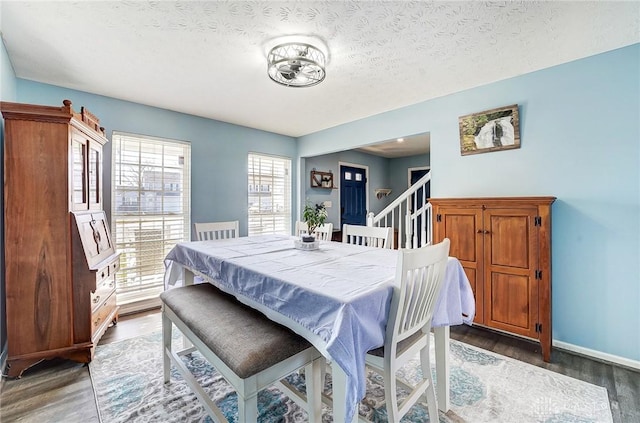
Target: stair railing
{"x":413,"y":226}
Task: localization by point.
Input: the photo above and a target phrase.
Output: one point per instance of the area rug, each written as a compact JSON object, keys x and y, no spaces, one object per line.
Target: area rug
{"x":486,"y":387}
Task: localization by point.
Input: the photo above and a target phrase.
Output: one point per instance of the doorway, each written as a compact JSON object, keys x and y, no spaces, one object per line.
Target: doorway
{"x":415,"y":174}
{"x":353,"y":195}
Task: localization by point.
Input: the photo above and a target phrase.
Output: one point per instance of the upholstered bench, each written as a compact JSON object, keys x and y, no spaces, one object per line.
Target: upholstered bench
{"x":250,"y":351}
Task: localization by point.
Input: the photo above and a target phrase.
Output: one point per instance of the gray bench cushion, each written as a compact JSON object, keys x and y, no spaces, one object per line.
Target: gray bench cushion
{"x":243,"y":338}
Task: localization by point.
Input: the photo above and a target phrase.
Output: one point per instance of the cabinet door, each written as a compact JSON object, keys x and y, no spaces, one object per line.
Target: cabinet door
{"x":78,"y":172}
{"x":463,"y":227}
{"x":510,"y":284}
{"x":95,"y":176}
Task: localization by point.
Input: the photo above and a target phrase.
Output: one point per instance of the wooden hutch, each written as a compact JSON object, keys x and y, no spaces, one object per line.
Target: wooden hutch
{"x":60,"y":262}
{"x":504,"y":246}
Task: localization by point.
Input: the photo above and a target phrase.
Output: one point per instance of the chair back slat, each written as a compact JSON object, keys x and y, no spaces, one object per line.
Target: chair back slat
{"x":373,"y":236}
{"x":322,"y":233}
{"x":217,"y":230}
{"x":419,"y":279}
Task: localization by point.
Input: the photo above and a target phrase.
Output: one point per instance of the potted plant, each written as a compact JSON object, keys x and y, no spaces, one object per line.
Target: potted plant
{"x":314,"y":216}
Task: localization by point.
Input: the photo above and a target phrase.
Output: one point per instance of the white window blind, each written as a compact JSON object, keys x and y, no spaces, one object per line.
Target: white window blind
{"x":150,"y":210}
{"x":269,"y":195}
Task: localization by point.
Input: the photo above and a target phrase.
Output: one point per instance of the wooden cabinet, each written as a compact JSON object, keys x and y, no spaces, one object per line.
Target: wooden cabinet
{"x":504,"y":246}
{"x":59,"y":259}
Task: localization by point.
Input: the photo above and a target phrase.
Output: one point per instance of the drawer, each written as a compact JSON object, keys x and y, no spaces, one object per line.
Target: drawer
{"x":102,"y":274}
{"x":105,"y":288}
{"x":114,"y":266}
{"x":101,"y":315}
{"x":108,"y":270}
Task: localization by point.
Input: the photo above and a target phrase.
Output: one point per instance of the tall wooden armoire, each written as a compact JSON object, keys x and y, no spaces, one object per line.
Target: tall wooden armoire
{"x":504,"y":246}
{"x":60,"y":262}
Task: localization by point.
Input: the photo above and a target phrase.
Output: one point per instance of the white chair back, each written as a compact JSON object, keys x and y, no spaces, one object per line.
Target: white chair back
{"x":372,"y":236}
{"x":217,"y":230}
{"x":323,"y":233}
{"x":419,"y":275}
{"x":419,"y":279}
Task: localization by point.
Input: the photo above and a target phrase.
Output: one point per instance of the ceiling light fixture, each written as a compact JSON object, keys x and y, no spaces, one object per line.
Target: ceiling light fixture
{"x":296,"y":64}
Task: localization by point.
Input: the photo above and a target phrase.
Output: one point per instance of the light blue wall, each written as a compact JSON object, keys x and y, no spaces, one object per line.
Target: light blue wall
{"x":7,"y":76}
{"x":378,"y":178}
{"x":218,"y":150}
{"x":7,"y":93}
{"x":580,"y":132}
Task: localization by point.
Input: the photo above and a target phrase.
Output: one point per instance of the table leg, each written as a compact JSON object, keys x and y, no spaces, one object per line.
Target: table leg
{"x":339,"y":384}
{"x":441,"y":335}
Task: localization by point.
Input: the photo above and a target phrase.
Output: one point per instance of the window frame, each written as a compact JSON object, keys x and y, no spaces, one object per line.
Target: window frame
{"x":164,"y":227}
{"x":266,"y":220}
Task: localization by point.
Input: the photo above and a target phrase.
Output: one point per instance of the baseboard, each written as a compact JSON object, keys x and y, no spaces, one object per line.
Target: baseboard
{"x":597,"y":355}
{"x":138,"y":306}
{"x":575,"y":349}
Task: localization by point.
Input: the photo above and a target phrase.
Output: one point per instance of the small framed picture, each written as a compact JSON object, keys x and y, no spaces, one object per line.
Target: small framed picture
{"x":491,"y":130}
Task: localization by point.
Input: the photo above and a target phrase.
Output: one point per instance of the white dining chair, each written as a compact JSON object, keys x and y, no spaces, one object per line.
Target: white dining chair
{"x":323,"y":233}
{"x":419,"y":279}
{"x":372,"y":236}
{"x":217,"y":230}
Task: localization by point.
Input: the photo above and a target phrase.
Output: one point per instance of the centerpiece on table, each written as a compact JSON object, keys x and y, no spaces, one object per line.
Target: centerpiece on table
{"x":314,"y":217}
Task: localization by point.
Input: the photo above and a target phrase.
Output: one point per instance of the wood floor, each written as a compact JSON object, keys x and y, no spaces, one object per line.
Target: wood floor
{"x":60,"y":390}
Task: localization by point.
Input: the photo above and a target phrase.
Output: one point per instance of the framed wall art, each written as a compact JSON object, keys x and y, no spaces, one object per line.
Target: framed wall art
{"x":491,"y":130}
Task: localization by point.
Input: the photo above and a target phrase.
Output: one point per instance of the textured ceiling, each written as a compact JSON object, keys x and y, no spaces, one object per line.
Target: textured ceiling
{"x":208,"y":58}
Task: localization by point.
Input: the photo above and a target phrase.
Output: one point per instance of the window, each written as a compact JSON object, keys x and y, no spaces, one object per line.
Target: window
{"x":269,"y":183}
{"x":150,"y":211}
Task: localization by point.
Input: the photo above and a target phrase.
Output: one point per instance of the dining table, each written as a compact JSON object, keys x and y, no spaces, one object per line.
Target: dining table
{"x":336,"y":296}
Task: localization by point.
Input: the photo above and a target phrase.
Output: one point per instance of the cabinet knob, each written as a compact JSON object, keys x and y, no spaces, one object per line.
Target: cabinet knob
{"x":480,"y":231}
{"x":96,"y":299}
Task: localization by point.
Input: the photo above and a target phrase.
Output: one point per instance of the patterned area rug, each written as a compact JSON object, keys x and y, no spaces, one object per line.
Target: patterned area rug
{"x":486,"y":387}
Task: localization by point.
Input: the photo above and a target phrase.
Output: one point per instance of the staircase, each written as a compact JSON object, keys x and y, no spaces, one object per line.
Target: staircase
{"x":413,"y":226}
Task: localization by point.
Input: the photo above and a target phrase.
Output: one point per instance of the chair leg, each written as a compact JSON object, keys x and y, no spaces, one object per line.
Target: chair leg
{"x":430,"y":393}
{"x":323,"y":373}
{"x":391,"y":392}
{"x":248,"y":409}
{"x":167,"y":327}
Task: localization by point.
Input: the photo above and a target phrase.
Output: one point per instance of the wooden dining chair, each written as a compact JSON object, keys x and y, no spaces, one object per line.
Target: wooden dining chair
{"x":217,"y":230}
{"x":323,"y":233}
{"x":419,"y":279}
{"x":367,"y":235}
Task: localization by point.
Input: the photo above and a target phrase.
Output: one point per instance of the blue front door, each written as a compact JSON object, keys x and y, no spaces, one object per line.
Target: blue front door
{"x":353,"y":198}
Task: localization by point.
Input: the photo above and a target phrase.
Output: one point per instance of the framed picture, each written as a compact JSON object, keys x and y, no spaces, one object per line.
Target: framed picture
{"x":491,"y":130}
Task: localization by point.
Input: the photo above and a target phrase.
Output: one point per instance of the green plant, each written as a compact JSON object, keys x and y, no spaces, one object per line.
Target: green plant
{"x":314,"y":216}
